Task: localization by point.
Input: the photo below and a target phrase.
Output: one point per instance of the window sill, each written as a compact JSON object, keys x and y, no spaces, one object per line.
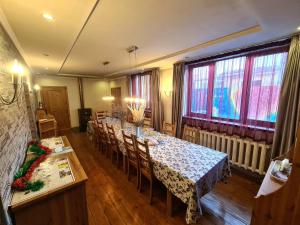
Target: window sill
{"x":232,"y":124}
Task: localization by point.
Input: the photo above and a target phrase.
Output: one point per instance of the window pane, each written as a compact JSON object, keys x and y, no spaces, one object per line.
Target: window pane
{"x":145,"y":89}
{"x":199,"y":90}
{"x":140,"y":88}
{"x":267,"y":75}
{"x":228,"y":85}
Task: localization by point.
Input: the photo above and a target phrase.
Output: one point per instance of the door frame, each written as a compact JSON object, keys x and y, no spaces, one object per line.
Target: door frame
{"x":68,"y":106}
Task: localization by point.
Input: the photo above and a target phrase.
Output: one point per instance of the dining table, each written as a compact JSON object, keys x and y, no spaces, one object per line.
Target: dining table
{"x":187,"y":170}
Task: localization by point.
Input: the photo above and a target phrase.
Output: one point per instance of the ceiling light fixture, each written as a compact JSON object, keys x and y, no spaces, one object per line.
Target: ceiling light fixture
{"x":298,"y":28}
{"x":107,"y":97}
{"x":133,"y":100}
{"x":48,"y":17}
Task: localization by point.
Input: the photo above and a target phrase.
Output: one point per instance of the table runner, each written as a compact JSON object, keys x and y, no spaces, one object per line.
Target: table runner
{"x":188,"y":170}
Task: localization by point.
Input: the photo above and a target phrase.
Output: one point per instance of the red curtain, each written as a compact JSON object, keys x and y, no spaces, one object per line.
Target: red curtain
{"x":243,"y":131}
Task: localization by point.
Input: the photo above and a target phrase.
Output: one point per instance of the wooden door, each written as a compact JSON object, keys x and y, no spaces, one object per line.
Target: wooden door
{"x":55,"y":101}
{"x":116,"y":92}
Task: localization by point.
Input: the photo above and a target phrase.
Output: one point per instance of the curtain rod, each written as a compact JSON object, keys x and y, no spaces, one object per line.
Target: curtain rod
{"x":285,"y":42}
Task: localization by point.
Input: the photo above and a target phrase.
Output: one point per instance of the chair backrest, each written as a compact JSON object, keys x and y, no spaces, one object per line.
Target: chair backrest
{"x":190,"y":134}
{"x":111,"y":135}
{"x":142,"y":149}
{"x":169,"y":129}
{"x":41,"y":114}
{"x":102,"y":133}
{"x":100,"y":115}
{"x":94,"y":125}
{"x":148,"y":122}
{"x":129,"y":146}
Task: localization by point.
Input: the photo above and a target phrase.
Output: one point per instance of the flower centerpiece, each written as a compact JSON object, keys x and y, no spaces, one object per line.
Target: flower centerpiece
{"x":137,"y":108}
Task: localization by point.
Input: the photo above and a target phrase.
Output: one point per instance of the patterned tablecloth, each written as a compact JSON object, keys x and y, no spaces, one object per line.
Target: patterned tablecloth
{"x":188,"y":170}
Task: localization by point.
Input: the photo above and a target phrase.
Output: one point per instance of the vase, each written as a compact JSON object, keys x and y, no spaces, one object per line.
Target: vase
{"x":138,"y":131}
{"x":122,"y":123}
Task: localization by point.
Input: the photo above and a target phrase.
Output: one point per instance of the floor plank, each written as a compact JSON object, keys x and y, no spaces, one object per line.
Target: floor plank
{"x":112,"y":199}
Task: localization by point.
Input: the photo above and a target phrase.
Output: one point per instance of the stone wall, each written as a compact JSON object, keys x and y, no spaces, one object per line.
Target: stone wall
{"x":17,"y":124}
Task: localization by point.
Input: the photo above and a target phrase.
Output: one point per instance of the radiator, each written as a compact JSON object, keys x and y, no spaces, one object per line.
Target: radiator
{"x":244,"y":153}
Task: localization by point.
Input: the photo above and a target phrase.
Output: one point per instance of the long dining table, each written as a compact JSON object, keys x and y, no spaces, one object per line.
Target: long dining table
{"x":187,"y":170}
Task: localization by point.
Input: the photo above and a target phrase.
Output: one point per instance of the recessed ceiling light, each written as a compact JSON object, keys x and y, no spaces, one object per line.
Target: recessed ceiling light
{"x":298,"y":28}
{"x":48,"y":17}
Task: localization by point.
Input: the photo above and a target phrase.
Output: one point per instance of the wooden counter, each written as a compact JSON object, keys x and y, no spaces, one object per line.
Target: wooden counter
{"x":268,"y":185}
{"x":65,"y":205}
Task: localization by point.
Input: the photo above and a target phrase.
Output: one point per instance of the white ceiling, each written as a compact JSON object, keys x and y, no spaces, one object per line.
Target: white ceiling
{"x":165,"y":31}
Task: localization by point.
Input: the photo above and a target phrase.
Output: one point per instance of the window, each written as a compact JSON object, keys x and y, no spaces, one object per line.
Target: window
{"x":227,"y":91}
{"x":199,"y":82}
{"x":243,"y":90}
{"x":266,"y":79}
{"x":140,"y":88}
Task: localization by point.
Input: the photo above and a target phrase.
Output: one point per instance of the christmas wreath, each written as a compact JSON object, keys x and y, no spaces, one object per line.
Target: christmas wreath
{"x":22,"y":177}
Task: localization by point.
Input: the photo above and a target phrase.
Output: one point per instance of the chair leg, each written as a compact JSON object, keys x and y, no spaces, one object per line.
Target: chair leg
{"x":140,"y":181}
{"x":117,"y":152}
{"x":111,"y":154}
{"x":124,"y":163}
{"x":128,"y":172}
{"x":100,"y":146}
{"x":150,"y":196}
{"x":137,"y":179}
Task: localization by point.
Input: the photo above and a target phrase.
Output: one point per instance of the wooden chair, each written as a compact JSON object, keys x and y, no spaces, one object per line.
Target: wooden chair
{"x":190,"y":134}
{"x":169,"y":129}
{"x":145,"y":164}
{"x":95,"y":133}
{"x":47,"y":128}
{"x":148,"y":122}
{"x":40,"y":114}
{"x":132,"y":156}
{"x":103,"y":138}
{"x":113,"y":143}
{"x":100,"y":115}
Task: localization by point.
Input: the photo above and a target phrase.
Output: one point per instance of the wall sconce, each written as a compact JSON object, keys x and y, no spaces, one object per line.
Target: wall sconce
{"x":168,"y":93}
{"x":17,"y":73}
{"x":36,"y":87}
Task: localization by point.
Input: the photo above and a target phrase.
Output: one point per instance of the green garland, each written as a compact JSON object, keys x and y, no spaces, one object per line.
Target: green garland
{"x":21,"y":178}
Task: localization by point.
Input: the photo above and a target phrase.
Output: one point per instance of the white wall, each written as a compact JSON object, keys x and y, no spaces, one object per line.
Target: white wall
{"x":93,"y":91}
{"x":73,"y":92}
{"x":120,"y":82}
{"x":166,"y":86}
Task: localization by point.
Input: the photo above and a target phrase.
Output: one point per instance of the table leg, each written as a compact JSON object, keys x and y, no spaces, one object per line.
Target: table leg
{"x":169,"y":203}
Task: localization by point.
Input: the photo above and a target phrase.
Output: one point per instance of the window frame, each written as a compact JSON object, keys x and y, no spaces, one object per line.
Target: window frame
{"x":245,"y":97}
{"x":189,"y":93}
{"x":139,"y":76}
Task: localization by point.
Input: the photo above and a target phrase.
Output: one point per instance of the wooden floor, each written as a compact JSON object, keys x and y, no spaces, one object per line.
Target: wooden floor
{"x":112,"y":199}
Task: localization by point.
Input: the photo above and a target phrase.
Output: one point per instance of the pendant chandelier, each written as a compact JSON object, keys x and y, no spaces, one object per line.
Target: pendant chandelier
{"x":133,"y":100}
{"x":107,"y":97}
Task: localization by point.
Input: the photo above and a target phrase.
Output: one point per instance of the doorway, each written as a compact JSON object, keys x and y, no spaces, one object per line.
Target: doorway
{"x":55,"y":101}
